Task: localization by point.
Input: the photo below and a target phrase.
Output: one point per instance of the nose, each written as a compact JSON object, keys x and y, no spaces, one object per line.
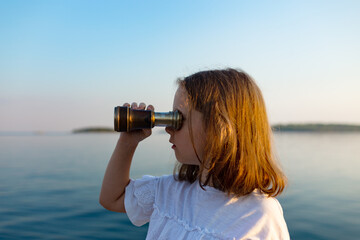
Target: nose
{"x":169,"y":130}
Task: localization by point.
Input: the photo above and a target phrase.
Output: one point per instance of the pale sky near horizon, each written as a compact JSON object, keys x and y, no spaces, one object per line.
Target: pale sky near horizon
{"x":67,"y":64}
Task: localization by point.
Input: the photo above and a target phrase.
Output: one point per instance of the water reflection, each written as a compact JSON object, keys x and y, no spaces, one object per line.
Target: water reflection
{"x":320,"y":202}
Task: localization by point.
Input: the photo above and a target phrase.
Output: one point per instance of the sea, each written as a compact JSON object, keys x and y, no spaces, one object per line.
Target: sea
{"x":50,"y":184}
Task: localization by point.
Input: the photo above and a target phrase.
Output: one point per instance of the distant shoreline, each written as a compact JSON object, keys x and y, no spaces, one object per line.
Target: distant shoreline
{"x":315,"y":127}
{"x":94,"y":130}
{"x":307,"y":127}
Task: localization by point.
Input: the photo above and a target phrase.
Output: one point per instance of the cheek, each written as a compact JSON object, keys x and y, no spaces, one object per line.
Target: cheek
{"x":199,"y":150}
{"x":200,"y":143}
{"x":185,"y":152}
{"x":184,"y":142}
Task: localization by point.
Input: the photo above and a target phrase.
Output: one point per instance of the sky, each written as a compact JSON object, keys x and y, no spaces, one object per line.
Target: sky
{"x":67,"y":64}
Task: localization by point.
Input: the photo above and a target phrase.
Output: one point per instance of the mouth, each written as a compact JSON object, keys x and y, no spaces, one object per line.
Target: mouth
{"x":173,"y":145}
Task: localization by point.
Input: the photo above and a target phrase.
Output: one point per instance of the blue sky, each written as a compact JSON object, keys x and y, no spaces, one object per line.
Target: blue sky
{"x":66,"y":64}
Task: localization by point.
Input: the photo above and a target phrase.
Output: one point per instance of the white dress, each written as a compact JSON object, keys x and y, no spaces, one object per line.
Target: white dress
{"x":180,"y":210}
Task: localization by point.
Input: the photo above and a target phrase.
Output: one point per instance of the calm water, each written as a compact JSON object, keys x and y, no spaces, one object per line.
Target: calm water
{"x":49,"y":185}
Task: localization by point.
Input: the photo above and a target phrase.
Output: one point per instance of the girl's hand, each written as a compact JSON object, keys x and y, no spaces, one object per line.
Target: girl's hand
{"x":136,"y":136}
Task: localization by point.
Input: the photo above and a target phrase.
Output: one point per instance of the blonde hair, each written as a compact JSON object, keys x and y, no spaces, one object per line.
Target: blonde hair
{"x":238,"y":152}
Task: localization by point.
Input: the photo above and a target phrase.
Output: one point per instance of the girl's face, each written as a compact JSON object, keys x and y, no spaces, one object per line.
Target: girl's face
{"x":181,"y":140}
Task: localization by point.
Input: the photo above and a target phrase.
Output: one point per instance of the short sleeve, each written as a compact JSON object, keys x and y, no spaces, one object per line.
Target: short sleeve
{"x":140,"y":198}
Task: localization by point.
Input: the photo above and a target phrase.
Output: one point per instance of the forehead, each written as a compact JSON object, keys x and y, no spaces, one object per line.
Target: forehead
{"x":181,"y":101}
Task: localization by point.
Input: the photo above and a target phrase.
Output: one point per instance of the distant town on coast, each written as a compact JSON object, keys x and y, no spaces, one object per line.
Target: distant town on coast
{"x":308,"y":127}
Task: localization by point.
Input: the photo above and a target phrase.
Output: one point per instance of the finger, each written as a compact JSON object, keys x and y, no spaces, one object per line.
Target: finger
{"x":150,"y":107}
{"x":134,"y":105}
{"x":142,"y":105}
{"x":126,"y":105}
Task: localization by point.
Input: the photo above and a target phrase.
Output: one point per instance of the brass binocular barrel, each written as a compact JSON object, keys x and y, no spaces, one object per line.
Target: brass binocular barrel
{"x":127,"y":119}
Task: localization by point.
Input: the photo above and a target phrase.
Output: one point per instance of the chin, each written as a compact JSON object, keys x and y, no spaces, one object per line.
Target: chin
{"x":187,"y":162}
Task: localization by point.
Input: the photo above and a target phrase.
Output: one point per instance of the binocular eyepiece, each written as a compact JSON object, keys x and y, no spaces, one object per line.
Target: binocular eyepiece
{"x":127,"y":119}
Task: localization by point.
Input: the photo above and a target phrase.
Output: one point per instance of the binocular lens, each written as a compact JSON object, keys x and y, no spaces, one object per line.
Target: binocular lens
{"x":127,"y":119}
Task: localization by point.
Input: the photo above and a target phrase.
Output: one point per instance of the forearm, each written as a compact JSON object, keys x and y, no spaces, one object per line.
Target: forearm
{"x":117,"y":173}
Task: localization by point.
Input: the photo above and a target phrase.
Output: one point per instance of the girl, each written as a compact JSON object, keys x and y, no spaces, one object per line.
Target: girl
{"x":227,"y":177}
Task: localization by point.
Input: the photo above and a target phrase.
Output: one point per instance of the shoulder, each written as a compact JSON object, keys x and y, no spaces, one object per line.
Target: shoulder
{"x":264,"y":204}
{"x":169,"y":184}
{"x":165,"y":183}
{"x":169,"y":188}
{"x":261,"y":216}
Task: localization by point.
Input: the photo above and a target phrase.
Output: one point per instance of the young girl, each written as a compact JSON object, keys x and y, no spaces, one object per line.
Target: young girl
{"x":227,"y":177}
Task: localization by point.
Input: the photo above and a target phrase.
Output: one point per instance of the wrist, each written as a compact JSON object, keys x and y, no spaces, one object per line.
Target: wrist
{"x":127,"y":141}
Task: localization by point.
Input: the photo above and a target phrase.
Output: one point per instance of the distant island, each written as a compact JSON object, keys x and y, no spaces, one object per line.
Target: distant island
{"x":315,"y":127}
{"x":308,"y":127}
{"x":94,"y":130}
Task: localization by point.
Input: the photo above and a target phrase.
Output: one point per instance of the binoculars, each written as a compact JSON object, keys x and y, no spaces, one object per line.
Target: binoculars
{"x":127,"y":119}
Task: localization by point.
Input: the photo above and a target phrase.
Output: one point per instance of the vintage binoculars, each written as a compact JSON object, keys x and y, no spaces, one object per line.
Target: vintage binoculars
{"x":127,"y":119}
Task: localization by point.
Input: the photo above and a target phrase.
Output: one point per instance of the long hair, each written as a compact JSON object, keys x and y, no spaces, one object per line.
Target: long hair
{"x":238,"y":154}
